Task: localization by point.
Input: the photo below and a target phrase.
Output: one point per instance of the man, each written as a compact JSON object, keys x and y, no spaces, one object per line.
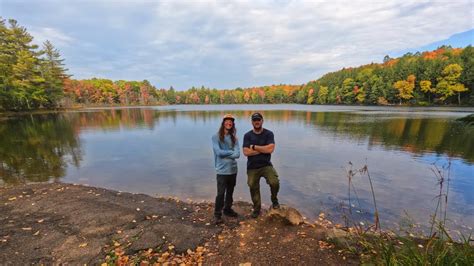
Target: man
{"x":259,"y":144}
{"x":226,"y":149}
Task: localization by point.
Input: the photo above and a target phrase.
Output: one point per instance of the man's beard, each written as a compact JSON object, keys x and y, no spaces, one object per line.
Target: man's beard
{"x":257,"y":128}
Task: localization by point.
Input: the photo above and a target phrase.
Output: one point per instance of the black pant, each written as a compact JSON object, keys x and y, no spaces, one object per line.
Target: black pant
{"x":225,"y":189}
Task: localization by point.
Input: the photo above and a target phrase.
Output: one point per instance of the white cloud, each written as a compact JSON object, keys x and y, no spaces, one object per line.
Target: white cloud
{"x":240,"y":43}
{"x":55,"y":36}
{"x":281,"y":39}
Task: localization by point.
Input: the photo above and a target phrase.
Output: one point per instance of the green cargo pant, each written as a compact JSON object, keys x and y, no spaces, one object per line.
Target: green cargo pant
{"x":253,"y":181}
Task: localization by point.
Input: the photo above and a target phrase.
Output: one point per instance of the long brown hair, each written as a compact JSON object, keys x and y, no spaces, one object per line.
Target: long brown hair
{"x":232,"y":133}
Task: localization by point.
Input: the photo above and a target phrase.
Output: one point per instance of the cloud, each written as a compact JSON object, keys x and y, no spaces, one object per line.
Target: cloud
{"x":55,"y":36}
{"x":227,"y":44}
{"x":281,"y":40}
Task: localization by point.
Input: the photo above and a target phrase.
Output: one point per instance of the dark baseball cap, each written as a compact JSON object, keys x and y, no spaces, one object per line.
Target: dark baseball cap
{"x":257,"y":116}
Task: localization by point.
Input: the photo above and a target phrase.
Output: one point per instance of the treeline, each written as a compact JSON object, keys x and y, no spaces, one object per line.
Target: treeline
{"x":30,"y":77}
{"x":443,"y":76}
{"x":107,"y":92}
{"x":103,"y":91}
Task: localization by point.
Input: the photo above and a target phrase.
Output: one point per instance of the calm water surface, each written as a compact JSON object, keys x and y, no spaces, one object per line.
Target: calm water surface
{"x":167,"y":151}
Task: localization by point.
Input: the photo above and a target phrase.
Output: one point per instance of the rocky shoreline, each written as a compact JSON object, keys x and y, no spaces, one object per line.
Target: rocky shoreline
{"x":76,"y":224}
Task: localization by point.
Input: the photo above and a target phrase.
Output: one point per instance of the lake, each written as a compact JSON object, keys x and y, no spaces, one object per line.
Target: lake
{"x":166,"y":151}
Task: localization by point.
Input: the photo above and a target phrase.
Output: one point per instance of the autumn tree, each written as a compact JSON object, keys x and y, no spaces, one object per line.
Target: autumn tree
{"x":467,"y":75}
{"x":448,"y":84}
{"x":405,"y":88}
{"x":348,"y":90}
{"x":323,"y":94}
{"x":425,"y":86}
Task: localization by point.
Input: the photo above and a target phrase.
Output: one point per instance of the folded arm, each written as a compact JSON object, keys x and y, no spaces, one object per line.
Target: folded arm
{"x":218,"y":151}
{"x":235,"y":150}
{"x":250,"y":152}
{"x":265,"y":149}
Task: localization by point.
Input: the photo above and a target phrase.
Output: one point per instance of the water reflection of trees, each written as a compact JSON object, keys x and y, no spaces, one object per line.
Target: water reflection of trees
{"x":37,"y":148}
{"x":114,"y":119}
{"x":412,"y":134}
{"x":40,"y":147}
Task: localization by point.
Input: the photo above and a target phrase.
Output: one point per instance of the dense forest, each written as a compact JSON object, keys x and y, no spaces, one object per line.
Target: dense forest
{"x":32,"y":77}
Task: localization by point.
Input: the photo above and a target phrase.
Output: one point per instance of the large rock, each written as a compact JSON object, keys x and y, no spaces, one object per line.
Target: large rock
{"x":286,"y":214}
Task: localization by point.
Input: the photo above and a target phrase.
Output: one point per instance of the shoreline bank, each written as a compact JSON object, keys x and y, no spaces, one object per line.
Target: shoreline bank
{"x":54,"y":223}
{"x":66,"y":223}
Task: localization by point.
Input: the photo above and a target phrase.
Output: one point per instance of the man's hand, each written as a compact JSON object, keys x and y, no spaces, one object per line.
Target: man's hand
{"x":264,"y":149}
{"x":249,"y":152}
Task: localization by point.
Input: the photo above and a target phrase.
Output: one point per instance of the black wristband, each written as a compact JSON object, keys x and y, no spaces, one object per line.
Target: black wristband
{"x":253,"y":147}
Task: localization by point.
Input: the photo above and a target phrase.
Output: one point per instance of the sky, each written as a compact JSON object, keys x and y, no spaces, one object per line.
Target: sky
{"x":230,"y":44}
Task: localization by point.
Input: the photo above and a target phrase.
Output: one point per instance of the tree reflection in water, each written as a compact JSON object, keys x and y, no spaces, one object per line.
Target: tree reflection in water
{"x":39,"y":148}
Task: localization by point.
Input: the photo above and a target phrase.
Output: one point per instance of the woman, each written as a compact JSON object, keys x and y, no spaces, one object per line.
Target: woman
{"x":226,"y":150}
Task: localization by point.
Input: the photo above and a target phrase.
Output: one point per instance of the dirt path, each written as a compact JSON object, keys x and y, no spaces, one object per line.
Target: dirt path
{"x":46,"y":223}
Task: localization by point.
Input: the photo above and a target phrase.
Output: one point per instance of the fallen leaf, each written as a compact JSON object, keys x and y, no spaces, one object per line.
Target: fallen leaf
{"x":83,"y":245}
{"x":40,"y":221}
{"x":26,"y":228}
{"x":12,"y":198}
{"x":37,"y":233}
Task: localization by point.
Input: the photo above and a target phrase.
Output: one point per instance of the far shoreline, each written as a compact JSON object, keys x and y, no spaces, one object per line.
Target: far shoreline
{"x":449,"y":108}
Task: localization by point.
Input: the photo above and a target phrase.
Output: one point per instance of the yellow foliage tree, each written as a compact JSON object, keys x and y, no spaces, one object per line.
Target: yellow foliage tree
{"x":323,"y":94}
{"x":426,"y":88}
{"x":405,"y":88}
{"x":448,"y":84}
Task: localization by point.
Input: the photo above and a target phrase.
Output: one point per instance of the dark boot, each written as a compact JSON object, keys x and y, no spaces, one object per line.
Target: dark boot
{"x":255,"y":214}
{"x":230,"y":212}
{"x":218,"y":220}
